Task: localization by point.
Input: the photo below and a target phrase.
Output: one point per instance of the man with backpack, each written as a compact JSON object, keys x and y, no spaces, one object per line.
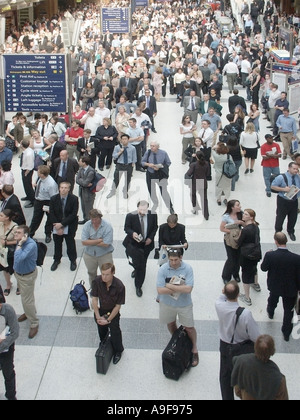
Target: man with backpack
{"x":25,"y":268}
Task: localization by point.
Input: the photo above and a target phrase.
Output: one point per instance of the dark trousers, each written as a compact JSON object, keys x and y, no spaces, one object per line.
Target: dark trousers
{"x":289,"y":209}
{"x":27,"y":185}
{"x":115,"y":331}
{"x":37,"y":217}
{"x":8,"y":371}
{"x":119,"y":171}
{"x":232,"y":264}
{"x":138,"y":148}
{"x":151,"y":180}
{"x":225,"y":372}
{"x":139,"y":255}
{"x":288,"y":311}
{"x":105,"y":157}
{"x":71,"y":247}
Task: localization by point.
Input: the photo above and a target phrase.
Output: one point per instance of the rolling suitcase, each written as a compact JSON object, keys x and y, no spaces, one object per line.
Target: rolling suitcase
{"x":177,"y":356}
{"x":104,"y":355}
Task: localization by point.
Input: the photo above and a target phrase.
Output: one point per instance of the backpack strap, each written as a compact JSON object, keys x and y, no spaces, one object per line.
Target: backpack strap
{"x":238,"y":313}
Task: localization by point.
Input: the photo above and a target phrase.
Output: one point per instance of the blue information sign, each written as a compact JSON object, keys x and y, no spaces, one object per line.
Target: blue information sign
{"x":115,"y":20}
{"x":35,"y":83}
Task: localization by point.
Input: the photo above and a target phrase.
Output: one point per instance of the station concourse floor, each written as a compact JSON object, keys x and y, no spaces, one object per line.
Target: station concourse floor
{"x":59,"y":363}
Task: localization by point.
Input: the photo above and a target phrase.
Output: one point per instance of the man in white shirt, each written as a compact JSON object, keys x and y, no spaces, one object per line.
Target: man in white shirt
{"x":102,"y":110}
{"x":142,"y":121}
{"x":245,"y":69}
{"x":27,"y":165}
{"x":232,"y":72}
{"x":91,"y":120}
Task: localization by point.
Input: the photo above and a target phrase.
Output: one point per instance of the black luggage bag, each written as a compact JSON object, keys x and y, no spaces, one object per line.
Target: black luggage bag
{"x":177,"y":356}
{"x":104,"y":355}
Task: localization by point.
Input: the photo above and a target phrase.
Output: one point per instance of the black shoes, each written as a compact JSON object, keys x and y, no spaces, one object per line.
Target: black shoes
{"x":24,"y":199}
{"x":117,"y":358}
{"x":54,"y":265}
{"x":28,"y":206}
{"x":133,"y":274}
{"x":139,"y":292}
{"x":82,"y":222}
{"x":292,"y":236}
{"x":73,"y":266}
{"x":48,"y":239}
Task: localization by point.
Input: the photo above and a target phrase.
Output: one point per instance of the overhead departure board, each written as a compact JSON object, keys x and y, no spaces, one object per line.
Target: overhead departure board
{"x":115,"y":20}
{"x":35,"y":83}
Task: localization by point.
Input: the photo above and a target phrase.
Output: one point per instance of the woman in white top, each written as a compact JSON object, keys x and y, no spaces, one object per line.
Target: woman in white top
{"x":36,"y":142}
{"x":249,"y":144}
{"x":219,"y":155}
{"x":187,"y":128}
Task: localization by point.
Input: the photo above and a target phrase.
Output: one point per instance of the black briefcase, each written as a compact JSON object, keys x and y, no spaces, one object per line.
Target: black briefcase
{"x":177,"y":356}
{"x":104,"y":355}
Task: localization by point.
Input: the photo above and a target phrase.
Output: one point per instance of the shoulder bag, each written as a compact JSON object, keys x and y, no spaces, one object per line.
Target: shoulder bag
{"x":244,"y":347}
{"x":252,"y":251}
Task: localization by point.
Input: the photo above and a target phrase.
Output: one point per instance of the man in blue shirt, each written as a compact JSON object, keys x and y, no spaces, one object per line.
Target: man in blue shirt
{"x":125,"y":157}
{"x":175,"y":281}
{"x":157,"y":162}
{"x":287,"y":206}
{"x":26,"y":274}
{"x":5,"y":152}
{"x":287,"y":128}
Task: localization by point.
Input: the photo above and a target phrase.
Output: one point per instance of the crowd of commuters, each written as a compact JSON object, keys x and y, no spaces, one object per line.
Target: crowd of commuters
{"x":118,"y":83}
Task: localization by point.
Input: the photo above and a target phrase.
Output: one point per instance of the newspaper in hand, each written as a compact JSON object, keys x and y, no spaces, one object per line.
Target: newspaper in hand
{"x":91,"y":145}
{"x":4,"y":333}
{"x":293,"y":191}
{"x":176,"y":280}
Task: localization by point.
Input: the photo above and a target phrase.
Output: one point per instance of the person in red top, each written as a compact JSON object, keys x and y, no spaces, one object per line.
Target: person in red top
{"x":270,"y":152}
{"x":71,"y":137}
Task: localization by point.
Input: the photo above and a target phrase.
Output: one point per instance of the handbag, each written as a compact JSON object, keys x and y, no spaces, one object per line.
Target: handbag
{"x":3,"y":257}
{"x":252,"y":251}
{"x":244,"y":347}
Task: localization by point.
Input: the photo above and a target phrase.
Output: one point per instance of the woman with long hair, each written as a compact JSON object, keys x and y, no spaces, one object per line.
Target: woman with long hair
{"x":249,"y":235}
{"x":230,"y":219}
{"x":219,"y":155}
{"x":187,"y":128}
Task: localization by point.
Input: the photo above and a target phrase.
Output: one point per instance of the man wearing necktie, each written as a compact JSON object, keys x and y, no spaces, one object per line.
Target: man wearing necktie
{"x":287,"y":206}
{"x":65,"y":168}
{"x":140,"y":227}
{"x":190,"y":105}
{"x":84,"y":149}
{"x":63,"y":216}
{"x":125,"y":158}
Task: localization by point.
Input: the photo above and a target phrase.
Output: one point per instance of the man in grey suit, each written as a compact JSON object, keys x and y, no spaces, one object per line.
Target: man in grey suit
{"x":79,"y":83}
{"x":190,"y":105}
{"x":84,"y":179}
